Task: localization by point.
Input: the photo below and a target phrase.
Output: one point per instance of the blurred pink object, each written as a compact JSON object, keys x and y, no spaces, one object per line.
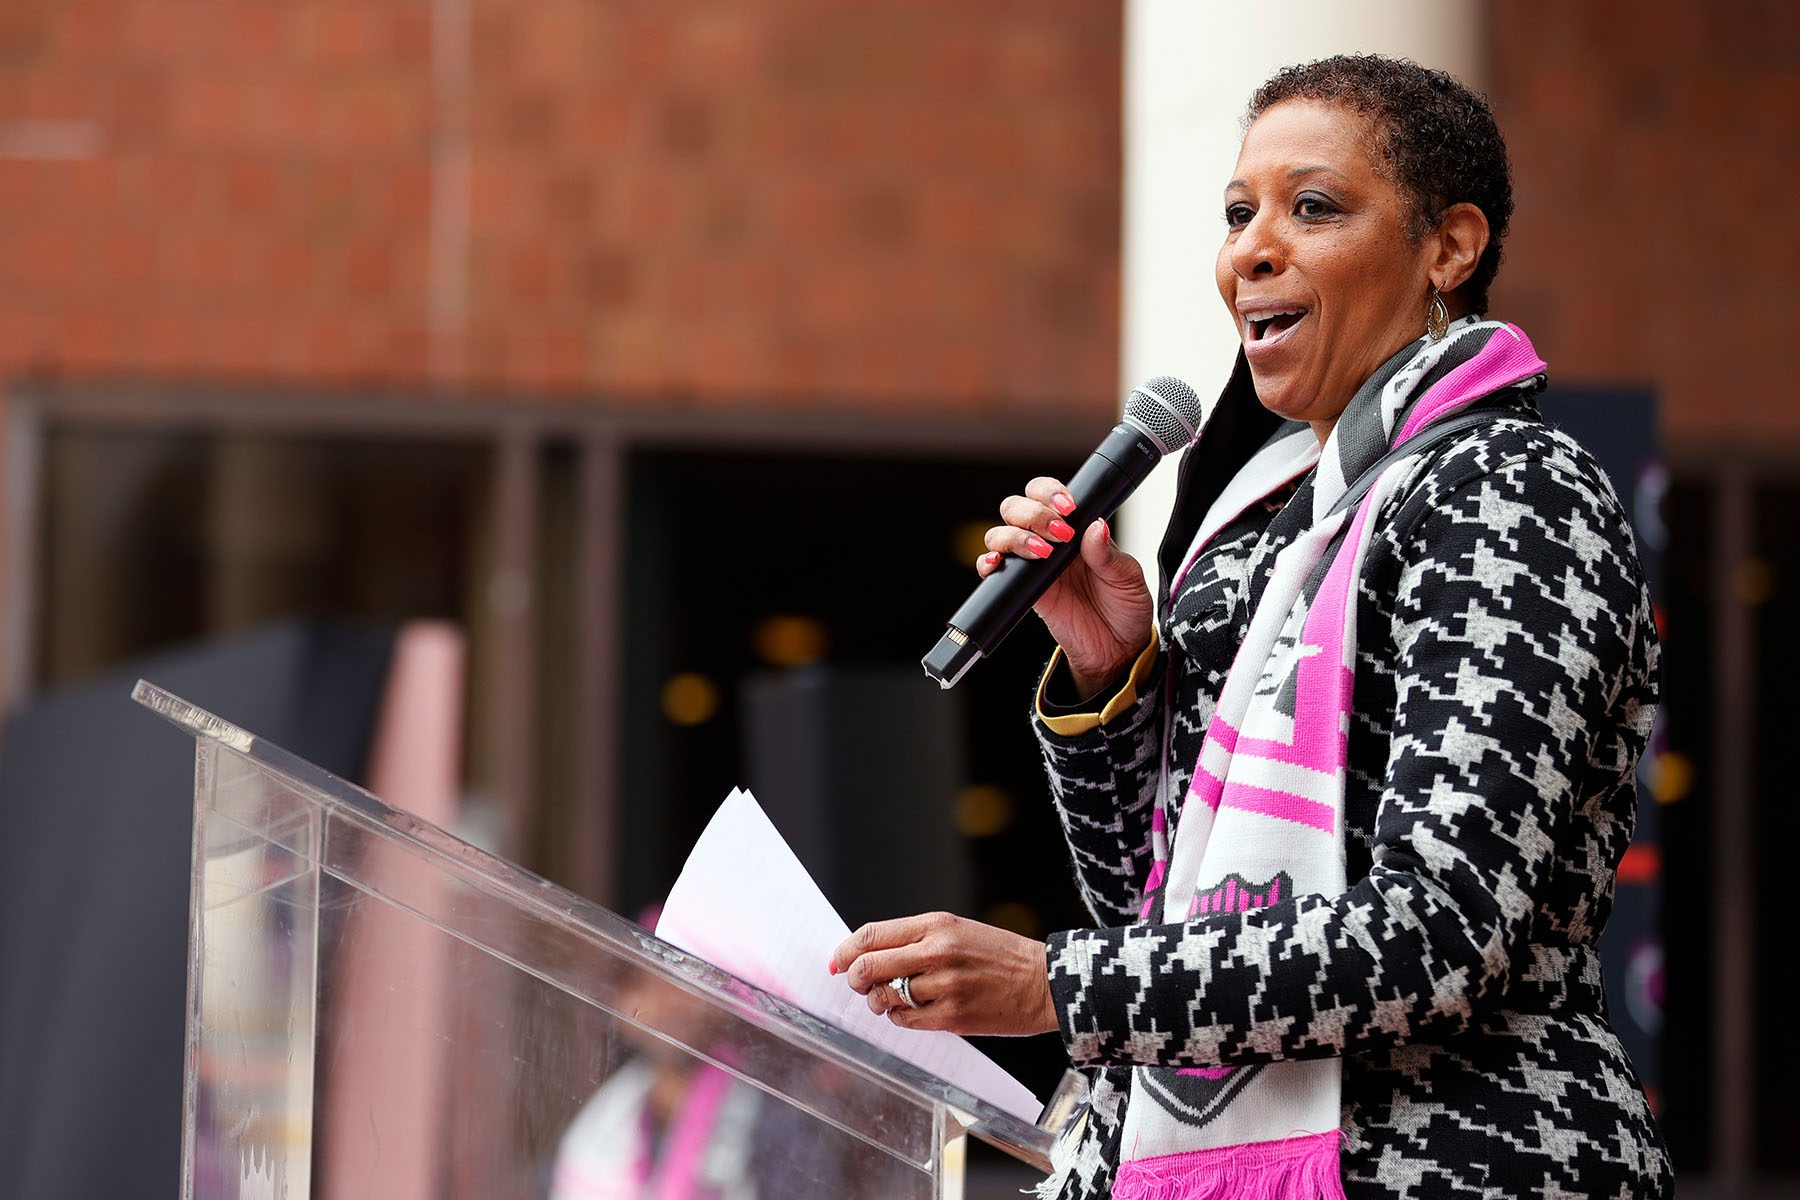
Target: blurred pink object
{"x":395,"y":1065}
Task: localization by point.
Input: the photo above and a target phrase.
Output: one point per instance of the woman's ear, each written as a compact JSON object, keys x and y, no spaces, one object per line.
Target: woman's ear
{"x":1460,"y":237}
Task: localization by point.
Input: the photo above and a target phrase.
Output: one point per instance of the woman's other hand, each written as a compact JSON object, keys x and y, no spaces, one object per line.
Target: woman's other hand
{"x":1099,"y":610}
{"x":966,"y":977}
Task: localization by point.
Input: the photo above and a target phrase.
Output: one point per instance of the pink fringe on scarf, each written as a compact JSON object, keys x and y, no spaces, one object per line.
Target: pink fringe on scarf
{"x":1297,"y":1168}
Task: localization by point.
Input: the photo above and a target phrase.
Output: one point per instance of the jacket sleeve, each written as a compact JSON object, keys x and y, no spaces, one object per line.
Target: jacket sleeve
{"x":1521,"y":631}
{"x":1103,"y":768}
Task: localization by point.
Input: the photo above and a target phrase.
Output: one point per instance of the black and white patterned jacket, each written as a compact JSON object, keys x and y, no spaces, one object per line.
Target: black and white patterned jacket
{"x":1505,"y":686}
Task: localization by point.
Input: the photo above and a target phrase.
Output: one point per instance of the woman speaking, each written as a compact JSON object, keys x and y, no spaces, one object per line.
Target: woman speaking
{"x":1347,"y":799}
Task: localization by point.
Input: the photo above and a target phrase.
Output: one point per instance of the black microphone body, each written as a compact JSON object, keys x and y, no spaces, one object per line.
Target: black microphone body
{"x":1001,"y":600}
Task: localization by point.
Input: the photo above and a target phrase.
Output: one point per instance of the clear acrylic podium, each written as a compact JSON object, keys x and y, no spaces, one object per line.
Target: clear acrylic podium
{"x":378,"y":1009}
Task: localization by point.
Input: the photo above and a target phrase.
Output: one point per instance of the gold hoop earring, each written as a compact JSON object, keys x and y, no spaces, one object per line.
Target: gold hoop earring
{"x":1437,"y":317}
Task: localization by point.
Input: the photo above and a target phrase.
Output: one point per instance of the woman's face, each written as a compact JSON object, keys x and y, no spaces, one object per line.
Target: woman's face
{"x":1317,"y":267}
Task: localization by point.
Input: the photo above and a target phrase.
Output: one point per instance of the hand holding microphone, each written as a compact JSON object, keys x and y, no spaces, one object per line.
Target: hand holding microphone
{"x":1099,"y":609}
{"x":1104,"y":608}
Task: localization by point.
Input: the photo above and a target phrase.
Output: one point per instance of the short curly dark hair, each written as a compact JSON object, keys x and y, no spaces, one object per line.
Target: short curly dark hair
{"x":1434,"y":134}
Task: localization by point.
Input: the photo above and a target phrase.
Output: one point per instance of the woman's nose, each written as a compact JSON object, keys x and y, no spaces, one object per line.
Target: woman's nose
{"x":1259,"y":250}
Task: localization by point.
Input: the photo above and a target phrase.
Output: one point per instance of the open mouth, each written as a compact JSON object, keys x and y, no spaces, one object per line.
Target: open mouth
{"x":1271,"y":325}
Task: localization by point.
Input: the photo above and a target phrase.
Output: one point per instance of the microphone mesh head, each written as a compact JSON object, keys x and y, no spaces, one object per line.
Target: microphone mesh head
{"x":1166,"y":410}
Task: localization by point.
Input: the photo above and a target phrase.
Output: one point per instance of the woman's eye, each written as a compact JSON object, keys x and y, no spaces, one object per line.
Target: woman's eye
{"x":1312,"y":206}
{"x":1237,"y":216}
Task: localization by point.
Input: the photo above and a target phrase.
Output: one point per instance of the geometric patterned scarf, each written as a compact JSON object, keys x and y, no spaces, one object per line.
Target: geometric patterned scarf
{"x":1262,"y":820}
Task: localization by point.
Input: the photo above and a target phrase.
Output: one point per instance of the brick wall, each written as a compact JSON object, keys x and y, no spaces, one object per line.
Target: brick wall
{"x":1657,"y":239}
{"x":797,"y":201}
{"x":785,"y":201}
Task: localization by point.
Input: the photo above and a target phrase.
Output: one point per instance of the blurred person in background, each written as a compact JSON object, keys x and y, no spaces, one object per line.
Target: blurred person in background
{"x":1347,"y":799}
{"x":666,"y":1123}
{"x":670,"y":1125}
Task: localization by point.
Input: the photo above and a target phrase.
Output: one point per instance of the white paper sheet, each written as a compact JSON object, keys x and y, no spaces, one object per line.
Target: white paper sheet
{"x":745,"y":902}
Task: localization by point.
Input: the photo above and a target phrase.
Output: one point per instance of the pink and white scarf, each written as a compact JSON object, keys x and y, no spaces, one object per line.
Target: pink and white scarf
{"x":1263,"y":818}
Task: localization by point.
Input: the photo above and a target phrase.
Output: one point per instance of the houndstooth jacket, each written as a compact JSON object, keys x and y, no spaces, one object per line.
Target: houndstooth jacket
{"x":1504,"y":690}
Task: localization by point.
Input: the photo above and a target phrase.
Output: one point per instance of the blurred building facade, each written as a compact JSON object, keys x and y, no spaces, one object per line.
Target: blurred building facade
{"x":622,"y":333}
{"x":493,"y":237}
{"x":773,"y":202}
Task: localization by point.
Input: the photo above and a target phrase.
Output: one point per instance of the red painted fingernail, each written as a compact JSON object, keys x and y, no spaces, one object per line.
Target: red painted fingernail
{"x":992,"y":557}
{"x":1061,"y":530}
{"x":1063,"y":503}
{"x":832,"y":966}
{"x":1038,"y":546}
{"x":1106,"y":533}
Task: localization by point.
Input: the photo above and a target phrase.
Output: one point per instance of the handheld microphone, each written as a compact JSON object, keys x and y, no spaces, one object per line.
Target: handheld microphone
{"x":1161,"y":416}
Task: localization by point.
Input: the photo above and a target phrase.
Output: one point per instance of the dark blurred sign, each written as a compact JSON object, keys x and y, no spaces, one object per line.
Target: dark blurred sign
{"x":96,"y":827}
{"x":1620,"y":429}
